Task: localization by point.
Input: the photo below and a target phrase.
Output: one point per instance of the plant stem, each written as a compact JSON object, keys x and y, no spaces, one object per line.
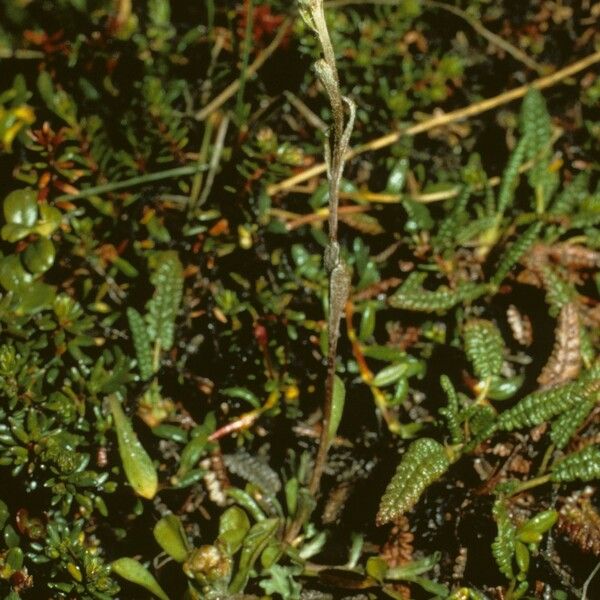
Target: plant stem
{"x":133,"y":182}
{"x":215,"y":160}
{"x":339,"y":279}
{"x":335,"y":151}
{"x":21,"y":54}
{"x":239,"y":104}
{"x":532,"y":483}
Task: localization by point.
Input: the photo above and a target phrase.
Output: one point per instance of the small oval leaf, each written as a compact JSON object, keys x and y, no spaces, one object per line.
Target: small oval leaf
{"x":21,"y":207}
{"x":389,"y":375}
{"x":233,"y":527}
{"x":39,"y":256}
{"x":168,"y":532}
{"x":134,"y":571}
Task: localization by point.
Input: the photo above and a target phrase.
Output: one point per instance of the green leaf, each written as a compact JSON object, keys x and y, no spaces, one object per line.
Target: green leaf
{"x":282,"y":583}
{"x":194,"y":449}
{"x":4,"y":514}
{"x":572,"y":194}
{"x":516,"y":250}
{"x":292,"y":487}
{"x":389,"y":374}
{"x":50,"y":218}
{"x":544,"y":405}
{"x":397,"y":177}
{"x":368,"y":321}
{"x":14,"y":558}
{"x":13,"y":233}
{"x":57,"y":100}
{"x":503,"y":546}
{"x":425,"y":461}
{"x":163,"y":308}
{"x":141,"y":343}
{"x":451,"y":225}
{"x":419,"y":216}
{"x":377,"y":568}
{"x":537,"y":133}
{"x":413,"y":568}
{"x":484,"y":347}
{"x":244,"y":499}
{"x":233,"y":527}
{"x":21,"y":207}
{"x":255,"y":542}
{"x":503,"y":389}
{"x":13,"y":276}
{"x":35,"y":297}
{"x":583,"y":465}
{"x":138,"y":466}
{"x":413,"y":296}
{"x":451,"y":411}
{"x":39,"y":255}
{"x":522,"y":556}
{"x":132,"y":570}
{"x":565,"y":426}
{"x":538,"y":524}
{"x":169,"y":534}
{"x":510,"y":177}
{"x":337,"y":407}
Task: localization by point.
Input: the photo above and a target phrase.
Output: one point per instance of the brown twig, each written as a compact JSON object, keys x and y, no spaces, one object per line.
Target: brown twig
{"x":246,"y":420}
{"x":443,"y":119}
{"x":295,"y":220}
{"x":310,"y":117}
{"x":215,"y":160}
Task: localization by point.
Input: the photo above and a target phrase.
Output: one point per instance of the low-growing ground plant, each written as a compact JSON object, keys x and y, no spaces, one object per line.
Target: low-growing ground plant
{"x":299,"y":300}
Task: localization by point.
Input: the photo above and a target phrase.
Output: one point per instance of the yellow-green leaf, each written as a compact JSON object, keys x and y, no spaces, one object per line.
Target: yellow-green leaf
{"x":134,"y":571}
{"x":337,"y":406}
{"x":21,"y":208}
{"x":168,"y":532}
{"x":39,"y":255}
{"x":137,"y":465}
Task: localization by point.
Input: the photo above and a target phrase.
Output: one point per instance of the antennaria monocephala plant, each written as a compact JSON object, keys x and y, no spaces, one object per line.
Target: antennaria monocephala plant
{"x":336,"y":146}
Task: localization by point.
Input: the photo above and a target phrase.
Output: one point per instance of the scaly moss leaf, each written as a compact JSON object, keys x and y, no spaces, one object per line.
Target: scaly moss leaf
{"x":484,"y":347}
{"x":425,"y":461}
{"x":141,"y":343}
{"x":583,"y":465}
{"x":503,"y":547}
{"x":163,"y":308}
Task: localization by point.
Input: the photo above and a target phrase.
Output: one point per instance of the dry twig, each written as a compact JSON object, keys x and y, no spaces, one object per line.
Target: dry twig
{"x":234,"y":86}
